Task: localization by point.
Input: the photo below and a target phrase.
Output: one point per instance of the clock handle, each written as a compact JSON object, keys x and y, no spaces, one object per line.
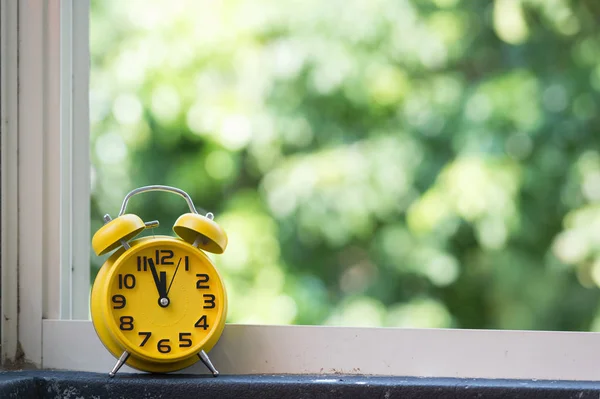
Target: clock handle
{"x":170,"y":189}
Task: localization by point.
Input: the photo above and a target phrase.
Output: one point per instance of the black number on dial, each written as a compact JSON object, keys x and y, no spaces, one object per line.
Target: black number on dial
{"x":146,"y":337}
{"x":126,"y":323}
{"x":164,"y":259}
{"x":142,"y":263}
{"x":209,"y":301}
{"x":202,"y":323}
{"x":185,"y":342}
{"x":187,"y":263}
{"x":127,"y":281}
{"x":161,"y":257}
{"x":163,"y":346}
{"x":119,"y":301}
{"x":202,"y":278}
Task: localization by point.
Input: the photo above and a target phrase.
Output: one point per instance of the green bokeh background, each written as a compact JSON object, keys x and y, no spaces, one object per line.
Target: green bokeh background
{"x":424,"y":163}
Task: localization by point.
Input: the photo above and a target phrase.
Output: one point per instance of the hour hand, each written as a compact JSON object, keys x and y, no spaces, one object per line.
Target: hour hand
{"x":162,"y":285}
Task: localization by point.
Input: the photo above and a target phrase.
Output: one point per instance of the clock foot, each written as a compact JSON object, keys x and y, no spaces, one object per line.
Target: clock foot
{"x":119,"y":364}
{"x":204,"y":357}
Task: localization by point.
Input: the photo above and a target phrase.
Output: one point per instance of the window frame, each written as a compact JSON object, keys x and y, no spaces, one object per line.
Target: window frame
{"x":45,"y":100}
{"x":45,"y":196}
{"x":9,"y":179}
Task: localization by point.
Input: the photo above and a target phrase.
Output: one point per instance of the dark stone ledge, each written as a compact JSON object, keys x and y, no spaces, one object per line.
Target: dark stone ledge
{"x":76,"y":385}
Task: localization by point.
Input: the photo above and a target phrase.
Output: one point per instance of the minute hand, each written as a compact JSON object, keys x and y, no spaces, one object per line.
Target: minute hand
{"x":159,"y":286}
{"x":173,"y":278}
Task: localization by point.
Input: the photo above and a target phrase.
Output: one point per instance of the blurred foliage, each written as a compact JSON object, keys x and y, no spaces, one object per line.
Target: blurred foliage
{"x":424,"y":163}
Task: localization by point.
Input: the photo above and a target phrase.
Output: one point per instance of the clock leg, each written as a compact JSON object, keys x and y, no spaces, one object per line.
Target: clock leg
{"x":204,"y":357}
{"x":119,"y":364}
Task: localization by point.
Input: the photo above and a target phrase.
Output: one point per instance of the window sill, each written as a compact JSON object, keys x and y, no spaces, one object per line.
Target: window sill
{"x":306,"y":350}
{"x":47,"y":384}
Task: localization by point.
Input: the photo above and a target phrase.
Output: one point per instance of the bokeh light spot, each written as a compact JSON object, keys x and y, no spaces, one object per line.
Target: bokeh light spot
{"x":166,"y":103}
{"x":442,"y":269}
{"x":236,"y":132}
{"x":509,"y":21}
{"x":419,"y":313}
{"x":555,"y":98}
{"x":519,"y":146}
{"x":127,"y":109}
{"x":110,"y":148}
{"x":219,"y":165}
{"x":591,"y":186}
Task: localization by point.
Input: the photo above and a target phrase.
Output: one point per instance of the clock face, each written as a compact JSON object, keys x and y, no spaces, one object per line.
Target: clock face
{"x":164,"y":300}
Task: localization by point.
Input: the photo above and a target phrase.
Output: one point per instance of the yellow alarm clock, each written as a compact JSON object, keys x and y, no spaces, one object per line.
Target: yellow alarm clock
{"x":158,"y":304}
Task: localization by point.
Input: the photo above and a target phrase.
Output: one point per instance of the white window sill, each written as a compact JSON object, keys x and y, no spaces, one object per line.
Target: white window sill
{"x":255,"y":349}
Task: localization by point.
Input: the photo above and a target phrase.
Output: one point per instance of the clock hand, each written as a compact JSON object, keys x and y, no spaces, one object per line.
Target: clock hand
{"x":157,"y":281}
{"x":163,"y":284}
{"x":173,"y":278}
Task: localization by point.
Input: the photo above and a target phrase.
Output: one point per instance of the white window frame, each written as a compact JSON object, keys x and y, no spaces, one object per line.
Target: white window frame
{"x":45,"y":195}
{"x":45,"y":246}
